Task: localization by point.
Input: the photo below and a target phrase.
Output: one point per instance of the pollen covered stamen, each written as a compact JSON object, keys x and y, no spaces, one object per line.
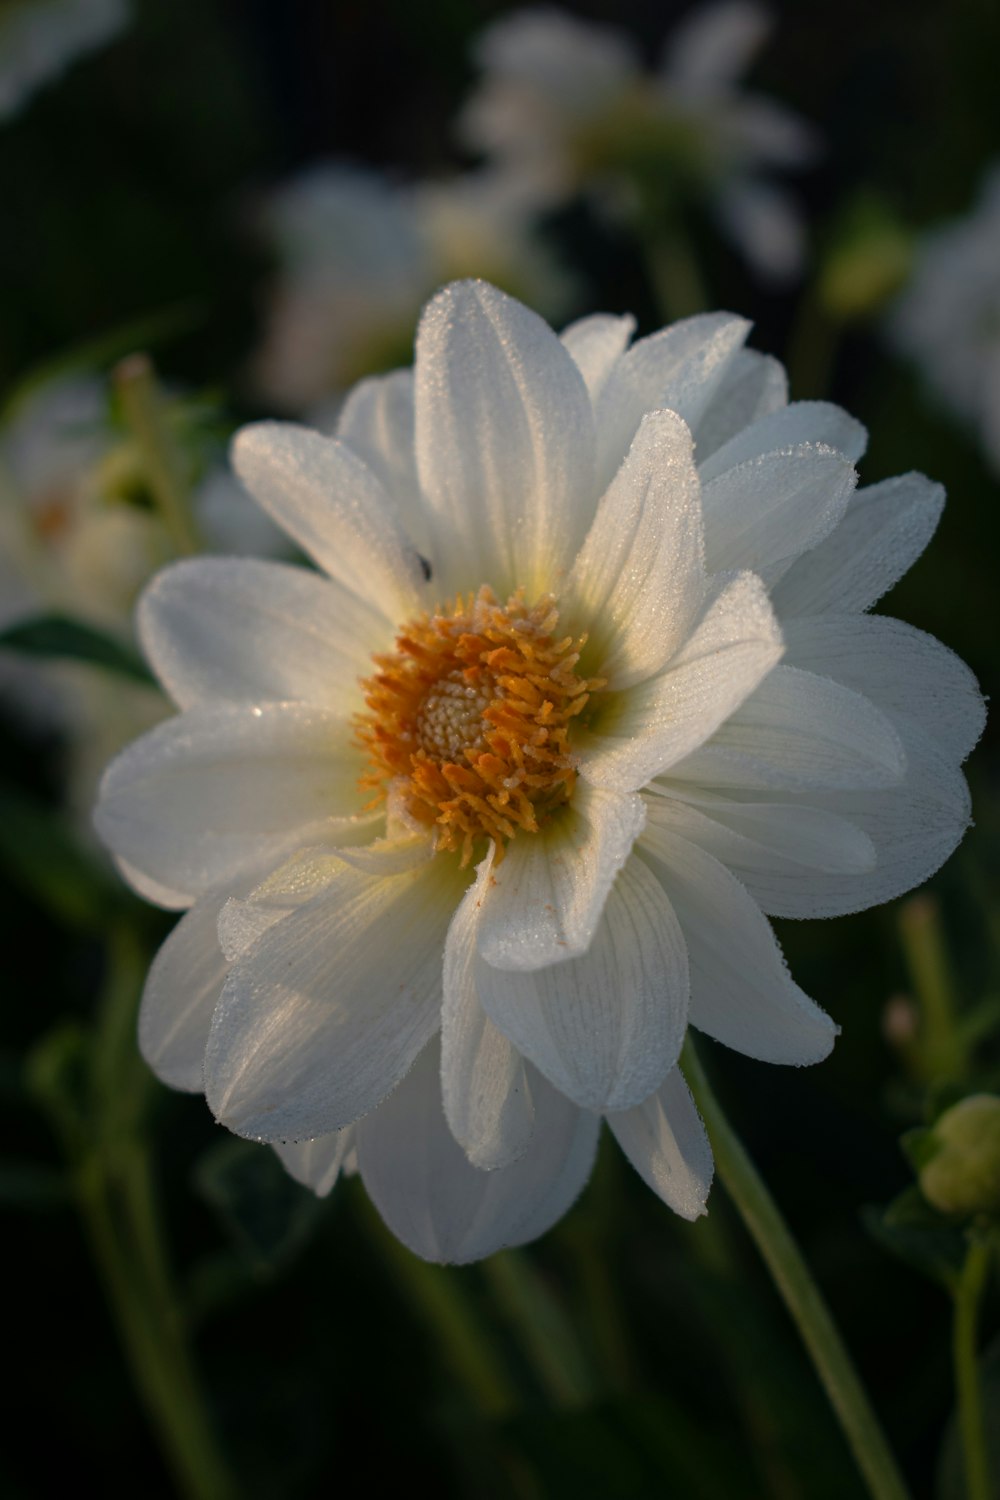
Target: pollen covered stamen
{"x":470,"y":718}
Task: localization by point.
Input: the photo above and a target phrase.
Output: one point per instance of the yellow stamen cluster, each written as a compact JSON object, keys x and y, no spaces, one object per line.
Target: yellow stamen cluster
{"x":469,"y":718}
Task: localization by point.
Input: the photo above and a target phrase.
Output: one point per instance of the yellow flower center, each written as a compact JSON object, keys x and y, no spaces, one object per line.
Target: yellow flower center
{"x":469,"y":718}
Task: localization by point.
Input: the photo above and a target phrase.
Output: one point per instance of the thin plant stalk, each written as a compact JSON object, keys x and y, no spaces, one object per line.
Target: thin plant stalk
{"x":968,"y":1296}
{"x":545,"y":1332}
{"x":142,"y":406}
{"x":799,"y":1292}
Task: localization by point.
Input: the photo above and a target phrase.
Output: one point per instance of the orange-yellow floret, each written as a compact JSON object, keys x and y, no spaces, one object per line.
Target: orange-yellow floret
{"x":469,"y":719}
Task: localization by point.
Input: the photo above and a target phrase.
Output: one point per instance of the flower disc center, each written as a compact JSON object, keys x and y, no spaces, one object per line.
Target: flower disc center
{"x":468,"y":719}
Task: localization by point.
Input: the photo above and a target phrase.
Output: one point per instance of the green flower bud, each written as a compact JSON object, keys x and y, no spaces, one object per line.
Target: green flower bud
{"x":961,"y":1173}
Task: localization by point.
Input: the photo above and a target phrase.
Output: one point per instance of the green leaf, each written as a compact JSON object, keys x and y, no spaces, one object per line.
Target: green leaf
{"x":60,"y":637}
{"x":915,"y":1232}
{"x":267,"y":1214}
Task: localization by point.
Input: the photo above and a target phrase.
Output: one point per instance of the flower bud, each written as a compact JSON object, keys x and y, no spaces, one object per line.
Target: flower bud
{"x":961,"y":1174}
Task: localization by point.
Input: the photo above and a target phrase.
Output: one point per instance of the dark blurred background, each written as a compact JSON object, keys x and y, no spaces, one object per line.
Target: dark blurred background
{"x":130,"y":191}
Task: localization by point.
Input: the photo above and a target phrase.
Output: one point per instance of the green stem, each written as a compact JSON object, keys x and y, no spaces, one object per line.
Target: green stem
{"x":142,"y":405}
{"x":812,"y":349}
{"x":443,"y":1304}
{"x":798,"y":1291}
{"x":548,"y":1337}
{"x":673,"y":271}
{"x":941,"y":1048}
{"x":968,"y":1300}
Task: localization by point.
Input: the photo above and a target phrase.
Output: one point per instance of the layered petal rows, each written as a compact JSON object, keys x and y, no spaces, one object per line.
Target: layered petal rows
{"x":687,"y":564}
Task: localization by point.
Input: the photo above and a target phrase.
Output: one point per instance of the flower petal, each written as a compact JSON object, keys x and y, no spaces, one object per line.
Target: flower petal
{"x":665,"y":1141}
{"x":777,"y":849}
{"x":752,"y":386}
{"x":766,"y":511}
{"x":798,"y":731}
{"x":883,"y":531}
{"x":766,"y":224}
{"x":182,"y":989}
{"x":318,"y":1163}
{"x":741,"y":992}
{"x":646,"y":729}
{"x":332,"y":505}
{"x":204,"y":793}
{"x":377,"y":421}
{"x":440,"y":1205}
{"x":604,"y":1028}
{"x":813,"y":422}
{"x":679,"y":368}
{"x":320,"y":1017}
{"x":504,"y":438}
{"x":219,"y":629}
{"x":639,"y":578}
{"x":902,"y":670}
{"x":714,"y":44}
{"x":546,"y":898}
{"x":596,"y":344}
{"x":484,"y":1083}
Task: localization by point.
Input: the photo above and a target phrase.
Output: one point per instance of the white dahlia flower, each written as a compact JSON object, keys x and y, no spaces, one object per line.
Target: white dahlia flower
{"x":566,"y":107}
{"x":39,"y":39}
{"x":948,"y":319}
{"x":471,"y":828}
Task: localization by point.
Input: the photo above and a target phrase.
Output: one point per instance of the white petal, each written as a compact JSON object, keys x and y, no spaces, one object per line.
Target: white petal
{"x":644,"y":730}
{"x":484,"y":1083}
{"x":680,"y":368}
{"x":902,"y":670}
{"x":884,"y":530}
{"x":152,"y":890}
{"x":752,"y":386}
{"x":504,"y":443}
{"x":715,"y":43}
{"x":376,"y":420}
{"x":765,"y":222}
{"x":332,"y":505}
{"x":741,"y":991}
{"x":444,"y":1208}
{"x":607,"y":1027}
{"x":242,"y":631}
{"x":778,"y":850}
{"x":914,"y":827}
{"x":318,"y":1163}
{"x":182,"y":989}
{"x":799,"y":731}
{"x":802,"y":422}
{"x":639,"y":578}
{"x":546,"y":898}
{"x":326,"y":1011}
{"x":596,"y":344}
{"x":665,"y":1141}
{"x":766,"y":511}
{"x":199,"y":796}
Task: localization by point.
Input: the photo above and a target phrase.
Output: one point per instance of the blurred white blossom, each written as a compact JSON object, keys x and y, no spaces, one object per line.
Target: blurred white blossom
{"x":566,"y":107}
{"x":39,"y":39}
{"x":948,"y":318}
{"x":358,"y":255}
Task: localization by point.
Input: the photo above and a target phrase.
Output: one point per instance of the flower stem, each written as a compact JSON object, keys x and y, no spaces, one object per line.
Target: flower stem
{"x":548,"y":1337}
{"x":441,"y":1302}
{"x":798,"y":1291}
{"x":942,"y":1052}
{"x":968,"y":1300}
{"x":142,"y":406}
{"x":673,"y":271}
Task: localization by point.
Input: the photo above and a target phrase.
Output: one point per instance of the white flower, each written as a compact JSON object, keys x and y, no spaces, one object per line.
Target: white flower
{"x":502,"y":800}
{"x":40,"y":38}
{"x":359,"y":255}
{"x":565,"y":106}
{"x":948,"y":319}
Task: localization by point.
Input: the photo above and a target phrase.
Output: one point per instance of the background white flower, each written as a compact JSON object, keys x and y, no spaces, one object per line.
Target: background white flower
{"x":948,"y":319}
{"x":565,"y":107}
{"x":40,"y":38}
{"x":358,"y":256}
{"x":698,"y":531}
